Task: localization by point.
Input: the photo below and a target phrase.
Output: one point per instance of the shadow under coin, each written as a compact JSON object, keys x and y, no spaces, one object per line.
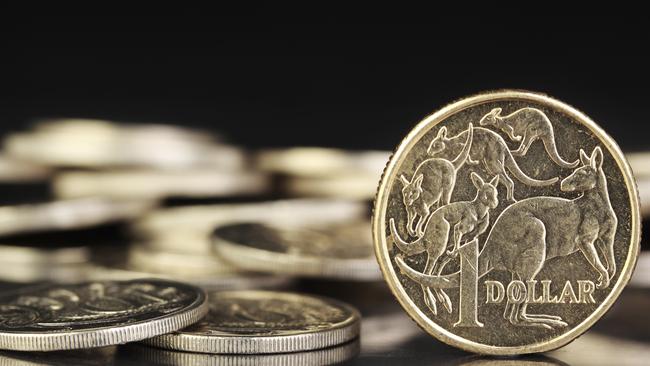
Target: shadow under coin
{"x":148,"y":355}
{"x":84,"y":357}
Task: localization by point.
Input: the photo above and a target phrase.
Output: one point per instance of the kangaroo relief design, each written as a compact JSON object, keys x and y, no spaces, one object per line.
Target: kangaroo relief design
{"x":527,"y":125}
{"x":488,"y":149}
{"x":467,"y":219}
{"x":432,"y":183}
{"x":530,"y":232}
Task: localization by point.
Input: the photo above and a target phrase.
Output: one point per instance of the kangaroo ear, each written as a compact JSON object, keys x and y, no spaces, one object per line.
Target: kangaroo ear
{"x":418,"y":181}
{"x":403,"y":179}
{"x":597,"y":158}
{"x":495,"y":181}
{"x":496,"y":111}
{"x":443,"y":132}
{"x":476,"y":180}
{"x":584,"y":158}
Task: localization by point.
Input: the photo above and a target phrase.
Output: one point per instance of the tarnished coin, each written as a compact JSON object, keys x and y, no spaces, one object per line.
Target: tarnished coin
{"x":342,"y":251}
{"x":507,"y":223}
{"x":254,"y":322}
{"x":96,"y":314}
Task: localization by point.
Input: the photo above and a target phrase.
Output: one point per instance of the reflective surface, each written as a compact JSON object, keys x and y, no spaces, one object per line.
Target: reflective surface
{"x":389,"y":337}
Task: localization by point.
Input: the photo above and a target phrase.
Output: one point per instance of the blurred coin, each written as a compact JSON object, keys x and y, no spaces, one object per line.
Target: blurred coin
{"x":96,"y":314}
{"x":359,"y":186}
{"x":26,"y":264}
{"x":17,"y":171}
{"x":95,"y":144}
{"x":200,"y":270}
{"x":158,"y":184}
{"x":315,"y":161}
{"x":643,"y":185}
{"x":201,"y":220}
{"x":342,"y":251}
{"x":67,"y":214}
{"x":257,"y":322}
{"x":640,"y":163}
{"x":328,"y":356}
{"x":641,"y":276}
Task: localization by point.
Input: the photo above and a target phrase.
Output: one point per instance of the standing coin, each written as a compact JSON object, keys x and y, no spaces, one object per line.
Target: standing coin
{"x":507,"y":223}
{"x":342,"y":251}
{"x":95,"y":314}
{"x":254,"y":322}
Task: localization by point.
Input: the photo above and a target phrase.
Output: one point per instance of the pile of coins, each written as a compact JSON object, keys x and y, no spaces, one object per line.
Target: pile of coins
{"x":185,"y":245}
{"x":137,"y":231}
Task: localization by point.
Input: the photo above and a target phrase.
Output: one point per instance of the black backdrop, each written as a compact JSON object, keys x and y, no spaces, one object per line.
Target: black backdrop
{"x":331,"y":83}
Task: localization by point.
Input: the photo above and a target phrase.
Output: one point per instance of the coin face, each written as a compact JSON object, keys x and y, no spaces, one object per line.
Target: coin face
{"x":95,"y":314}
{"x":507,"y":223}
{"x":265,"y":322}
{"x":342,"y":250}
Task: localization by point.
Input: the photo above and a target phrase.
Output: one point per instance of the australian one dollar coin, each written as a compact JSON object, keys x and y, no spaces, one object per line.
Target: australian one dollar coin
{"x":507,"y":223}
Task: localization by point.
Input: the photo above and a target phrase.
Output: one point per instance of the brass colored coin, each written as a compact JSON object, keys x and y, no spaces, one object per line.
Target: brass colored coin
{"x":257,"y":322}
{"x":96,"y":314}
{"x":507,"y":223}
{"x":342,"y":251}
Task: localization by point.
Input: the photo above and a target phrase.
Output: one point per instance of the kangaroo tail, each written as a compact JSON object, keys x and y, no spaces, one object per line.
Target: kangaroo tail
{"x":464,"y":153}
{"x":512,"y":166}
{"x":551,"y":149}
{"x":435,"y":281}
{"x":412,"y":248}
{"x":444,"y":281}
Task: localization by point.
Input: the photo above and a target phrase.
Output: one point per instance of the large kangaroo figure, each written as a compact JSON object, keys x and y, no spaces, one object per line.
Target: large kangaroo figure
{"x":527,"y":125}
{"x":432,"y":182}
{"x":489,"y":149}
{"x":534,"y":230}
{"x":468,"y":219}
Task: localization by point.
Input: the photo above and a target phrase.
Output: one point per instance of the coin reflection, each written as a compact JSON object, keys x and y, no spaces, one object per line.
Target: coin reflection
{"x":84,"y":357}
{"x":326,"y":356}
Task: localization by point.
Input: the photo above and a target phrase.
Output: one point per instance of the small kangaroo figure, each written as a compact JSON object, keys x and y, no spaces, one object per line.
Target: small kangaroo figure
{"x":530,"y":232}
{"x":527,"y":125}
{"x":489,"y":149}
{"x":468,"y":219}
{"x":432,"y":183}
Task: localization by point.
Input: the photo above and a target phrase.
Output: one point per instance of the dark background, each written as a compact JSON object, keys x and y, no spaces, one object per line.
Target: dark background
{"x":346,"y":81}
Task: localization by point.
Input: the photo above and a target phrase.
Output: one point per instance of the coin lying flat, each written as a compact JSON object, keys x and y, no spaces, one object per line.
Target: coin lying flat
{"x":95,"y":314}
{"x":342,"y":251}
{"x":67,"y":214}
{"x":24,"y":264}
{"x":507,"y":223}
{"x":158,"y":184}
{"x":90,"y":143}
{"x":327,"y":356}
{"x":254,"y":322}
{"x":200,"y":220}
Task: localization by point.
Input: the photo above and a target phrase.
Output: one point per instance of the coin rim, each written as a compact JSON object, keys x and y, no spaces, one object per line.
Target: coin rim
{"x":249,"y":258}
{"x":304,"y":340}
{"x":108,"y":335}
{"x":384,"y":189}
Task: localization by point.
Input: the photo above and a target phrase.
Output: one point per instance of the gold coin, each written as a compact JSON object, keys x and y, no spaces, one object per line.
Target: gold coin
{"x":507,"y":223}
